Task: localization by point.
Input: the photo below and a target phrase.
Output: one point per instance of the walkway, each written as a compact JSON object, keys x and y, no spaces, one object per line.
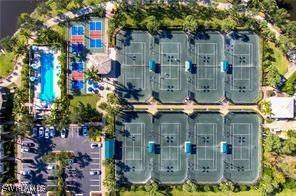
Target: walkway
{"x":191,"y":107}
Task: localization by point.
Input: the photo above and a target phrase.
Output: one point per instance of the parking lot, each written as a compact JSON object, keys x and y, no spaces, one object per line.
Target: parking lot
{"x":82,"y":174}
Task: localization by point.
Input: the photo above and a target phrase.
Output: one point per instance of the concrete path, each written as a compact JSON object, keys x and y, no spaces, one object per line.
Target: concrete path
{"x":291,"y":71}
{"x":190,"y":108}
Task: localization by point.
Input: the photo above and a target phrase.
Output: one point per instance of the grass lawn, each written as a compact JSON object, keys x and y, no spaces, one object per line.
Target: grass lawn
{"x":281,"y":61}
{"x":86,"y":99}
{"x":6,"y":64}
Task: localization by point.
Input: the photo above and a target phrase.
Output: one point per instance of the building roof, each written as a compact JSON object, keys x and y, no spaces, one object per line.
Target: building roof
{"x":282,"y":107}
{"x":101,"y":62}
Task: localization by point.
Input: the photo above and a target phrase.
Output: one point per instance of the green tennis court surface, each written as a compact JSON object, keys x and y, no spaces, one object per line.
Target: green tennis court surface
{"x":170,"y":82}
{"x":242,"y":85}
{"x":170,"y":164}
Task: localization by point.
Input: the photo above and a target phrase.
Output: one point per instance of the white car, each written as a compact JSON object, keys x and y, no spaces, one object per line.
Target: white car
{"x":46,"y":133}
{"x":41,"y":132}
{"x":50,"y":167}
{"x":26,"y":173}
{"x":52,"y":131}
{"x":94,"y":172}
{"x":25,"y":149}
{"x":63,"y":133}
{"x":96,"y":145}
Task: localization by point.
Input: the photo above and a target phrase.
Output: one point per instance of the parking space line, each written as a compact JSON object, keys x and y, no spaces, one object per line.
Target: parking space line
{"x":94,"y":152}
{"x":95,"y":180}
{"x":95,"y":185}
{"x":94,"y":163}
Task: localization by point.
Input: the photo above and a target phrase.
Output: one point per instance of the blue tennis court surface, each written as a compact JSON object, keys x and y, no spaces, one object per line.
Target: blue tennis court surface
{"x":77,"y":66}
{"x":77,"y":48}
{"x":77,"y":85}
{"x":77,"y":30}
{"x":95,"y":43}
{"x":95,"y":26}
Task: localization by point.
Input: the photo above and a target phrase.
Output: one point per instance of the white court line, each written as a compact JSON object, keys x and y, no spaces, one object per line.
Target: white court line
{"x":214,"y":154}
{"x":242,"y":148}
{"x":177,"y":158}
{"x":142,"y":156}
{"x":163,"y":62}
{"x":143,"y":53}
{"x":206,"y":67}
{"x":250,"y":59}
{"x":134,"y":76}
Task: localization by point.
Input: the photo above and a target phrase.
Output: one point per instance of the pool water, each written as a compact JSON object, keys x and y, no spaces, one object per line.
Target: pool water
{"x":47,"y":83}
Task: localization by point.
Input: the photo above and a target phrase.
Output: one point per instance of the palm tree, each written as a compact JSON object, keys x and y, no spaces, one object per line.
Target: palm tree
{"x":152,"y":24}
{"x":92,"y":74}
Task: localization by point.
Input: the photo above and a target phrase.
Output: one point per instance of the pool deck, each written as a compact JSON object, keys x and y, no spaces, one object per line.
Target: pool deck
{"x":38,"y":106}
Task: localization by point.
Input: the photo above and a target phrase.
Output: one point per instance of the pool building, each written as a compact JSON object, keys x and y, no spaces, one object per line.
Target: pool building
{"x":44,"y":76}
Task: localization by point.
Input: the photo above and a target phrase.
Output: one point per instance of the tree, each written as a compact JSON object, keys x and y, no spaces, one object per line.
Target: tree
{"x":85,"y":113}
{"x":265,"y":107}
{"x":25,"y":20}
{"x":152,"y":24}
{"x":289,"y":87}
{"x":7,"y":43}
{"x":92,"y":74}
{"x":273,"y":75}
{"x":43,"y":8}
{"x":94,"y":132}
{"x":228,"y":24}
{"x":272,"y":143}
{"x":190,"y":23}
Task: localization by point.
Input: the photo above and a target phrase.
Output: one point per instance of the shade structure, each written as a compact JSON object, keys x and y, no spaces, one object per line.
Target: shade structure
{"x":188,"y":147}
{"x":152,"y":65}
{"x":151,"y":147}
{"x":188,"y":66}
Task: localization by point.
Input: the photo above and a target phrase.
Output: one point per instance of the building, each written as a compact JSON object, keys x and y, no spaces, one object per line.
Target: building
{"x":282,"y":107}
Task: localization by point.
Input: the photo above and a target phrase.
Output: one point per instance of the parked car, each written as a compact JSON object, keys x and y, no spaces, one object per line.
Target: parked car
{"x":84,"y":130}
{"x":26,"y":173}
{"x":46,"y":133}
{"x":96,"y":145}
{"x":63,"y":133}
{"x":51,"y":167}
{"x":27,"y":161}
{"x":28,"y":144}
{"x":34,"y":131}
{"x":52,"y":177}
{"x":41,"y":132}
{"x":25,"y":149}
{"x":94,"y":172}
{"x":52,"y":131}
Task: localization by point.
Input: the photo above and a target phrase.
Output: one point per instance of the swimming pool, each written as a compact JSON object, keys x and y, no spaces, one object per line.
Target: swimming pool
{"x":47,"y":77}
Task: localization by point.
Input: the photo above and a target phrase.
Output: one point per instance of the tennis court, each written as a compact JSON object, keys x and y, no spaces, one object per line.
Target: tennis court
{"x":133,"y":132}
{"x":171,"y":163}
{"x":169,"y":51}
{"x":242,"y":53}
{"x":77,"y":34}
{"x":95,"y":35}
{"x":205,"y":51}
{"x":205,"y":164}
{"x":133,"y":80}
{"x":242,"y":133}
{"x":167,"y":160}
